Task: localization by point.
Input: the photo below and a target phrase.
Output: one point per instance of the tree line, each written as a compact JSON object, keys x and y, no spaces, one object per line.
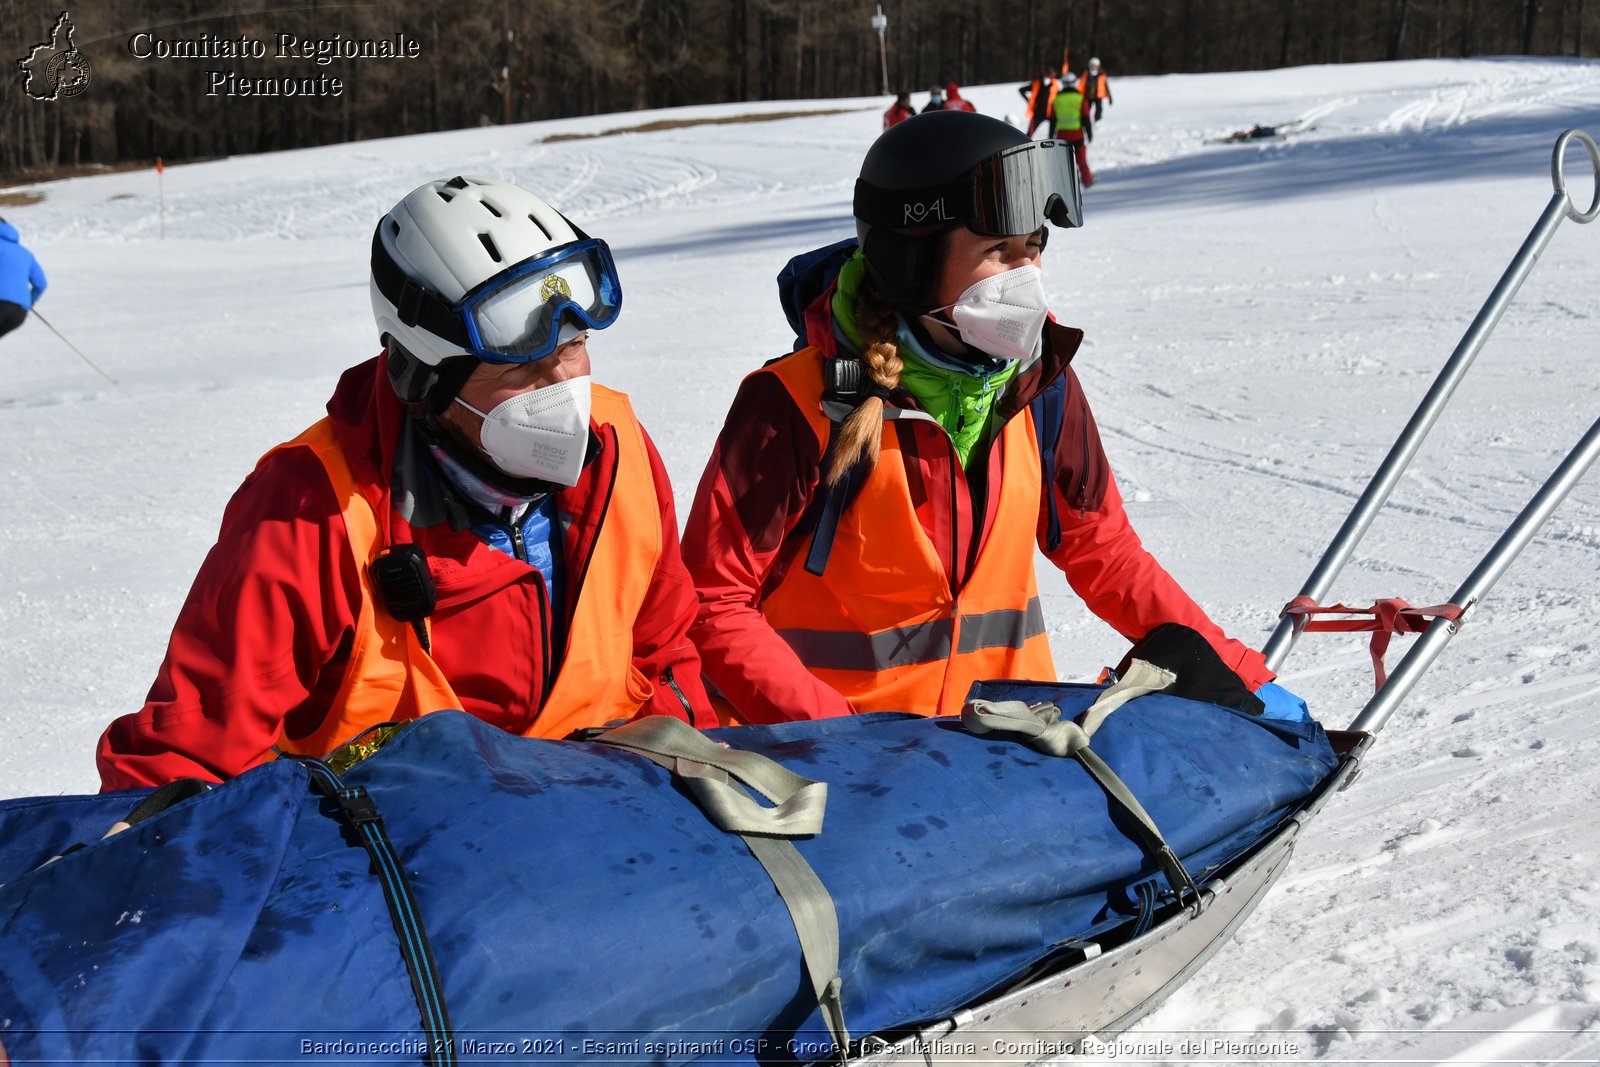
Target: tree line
{"x":497,"y":61}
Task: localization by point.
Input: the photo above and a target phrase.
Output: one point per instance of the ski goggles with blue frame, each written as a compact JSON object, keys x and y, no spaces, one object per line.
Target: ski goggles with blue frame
{"x":516,"y":316}
{"x":1012,"y":192}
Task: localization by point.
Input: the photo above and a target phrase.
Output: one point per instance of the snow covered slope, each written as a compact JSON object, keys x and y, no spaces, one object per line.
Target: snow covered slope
{"x":1261,"y":320}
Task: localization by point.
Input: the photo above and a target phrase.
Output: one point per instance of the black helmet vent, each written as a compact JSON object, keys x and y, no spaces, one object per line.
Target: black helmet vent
{"x":488,"y":245}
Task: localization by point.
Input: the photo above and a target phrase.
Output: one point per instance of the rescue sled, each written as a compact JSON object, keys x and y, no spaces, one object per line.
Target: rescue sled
{"x":1104,"y":985}
{"x":991,"y":890}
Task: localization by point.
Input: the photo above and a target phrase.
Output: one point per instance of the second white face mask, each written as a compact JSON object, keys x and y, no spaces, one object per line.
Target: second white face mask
{"x":1002,"y":314}
{"x":543,"y":433}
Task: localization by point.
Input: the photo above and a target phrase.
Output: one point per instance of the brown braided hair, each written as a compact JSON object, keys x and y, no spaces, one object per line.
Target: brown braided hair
{"x":862,"y":432}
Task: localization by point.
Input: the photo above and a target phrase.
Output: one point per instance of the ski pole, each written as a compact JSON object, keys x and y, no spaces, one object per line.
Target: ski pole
{"x":74,"y":347}
{"x":1427,"y":413}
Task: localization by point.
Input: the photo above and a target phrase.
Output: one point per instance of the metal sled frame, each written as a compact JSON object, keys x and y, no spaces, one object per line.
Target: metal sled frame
{"x":1101,"y":987}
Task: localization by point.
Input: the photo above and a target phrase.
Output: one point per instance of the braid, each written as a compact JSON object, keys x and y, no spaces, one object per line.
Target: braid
{"x":862,"y":433}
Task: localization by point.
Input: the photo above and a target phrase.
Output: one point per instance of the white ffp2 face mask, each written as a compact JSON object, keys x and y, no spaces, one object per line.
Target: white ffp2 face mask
{"x":1002,"y":314}
{"x":543,"y":433}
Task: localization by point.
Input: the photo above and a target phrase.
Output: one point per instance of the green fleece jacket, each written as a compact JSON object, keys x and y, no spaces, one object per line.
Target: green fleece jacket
{"x":963,"y":403}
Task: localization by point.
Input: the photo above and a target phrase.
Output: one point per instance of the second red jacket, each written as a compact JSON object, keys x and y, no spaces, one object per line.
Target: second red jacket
{"x":743,"y":534}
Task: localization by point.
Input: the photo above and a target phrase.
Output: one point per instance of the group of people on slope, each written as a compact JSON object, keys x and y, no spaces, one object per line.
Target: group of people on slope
{"x":1068,"y":107}
{"x":943,"y":97}
{"x":476,"y":524}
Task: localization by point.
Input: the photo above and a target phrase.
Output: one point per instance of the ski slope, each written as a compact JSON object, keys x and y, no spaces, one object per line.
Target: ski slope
{"x":1261,"y":320}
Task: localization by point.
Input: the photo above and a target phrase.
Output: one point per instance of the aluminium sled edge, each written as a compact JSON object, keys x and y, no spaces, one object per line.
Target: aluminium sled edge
{"x":1103,"y":992}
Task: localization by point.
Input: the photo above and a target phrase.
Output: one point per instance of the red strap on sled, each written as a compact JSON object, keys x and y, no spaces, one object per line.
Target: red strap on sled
{"x":1388,"y":617}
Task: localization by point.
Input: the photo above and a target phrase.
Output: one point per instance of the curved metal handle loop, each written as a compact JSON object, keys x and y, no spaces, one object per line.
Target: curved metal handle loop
{"x":1559,"y":177}
{"x":1558,"y":208}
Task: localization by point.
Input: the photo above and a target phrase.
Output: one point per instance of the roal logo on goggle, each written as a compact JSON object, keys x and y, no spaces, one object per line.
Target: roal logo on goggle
{"x":919,"y":213}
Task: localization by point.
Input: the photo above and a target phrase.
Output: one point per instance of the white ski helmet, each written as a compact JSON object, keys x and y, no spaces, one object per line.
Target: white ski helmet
{"x":480,"y":268}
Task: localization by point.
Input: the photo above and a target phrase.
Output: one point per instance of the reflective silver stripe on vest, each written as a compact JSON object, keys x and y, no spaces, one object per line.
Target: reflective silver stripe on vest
{"x":902,"y":646}
{"x":1006,"y":628}
{"x":851,"y":650}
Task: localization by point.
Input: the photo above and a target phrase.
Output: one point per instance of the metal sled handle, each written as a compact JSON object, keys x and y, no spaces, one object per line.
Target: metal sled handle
{"x":1420,"y":656}
{"x":1405,"y":446}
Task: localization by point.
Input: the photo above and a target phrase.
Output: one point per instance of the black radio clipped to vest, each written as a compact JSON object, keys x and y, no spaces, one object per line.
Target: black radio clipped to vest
{"x":403,"y":583}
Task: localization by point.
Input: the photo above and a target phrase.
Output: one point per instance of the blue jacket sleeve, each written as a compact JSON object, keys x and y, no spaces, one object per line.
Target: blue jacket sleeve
{"x":36,"y":281}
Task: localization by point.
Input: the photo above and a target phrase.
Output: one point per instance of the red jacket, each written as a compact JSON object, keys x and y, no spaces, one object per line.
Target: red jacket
{"x":896,"y":114}
{"x":954,"y":101}
{"x":741,"y":538}
{"x":262,"y":642}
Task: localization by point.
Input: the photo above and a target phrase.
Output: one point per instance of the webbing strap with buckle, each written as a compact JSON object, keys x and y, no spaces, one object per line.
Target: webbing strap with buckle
{"x":358,"y":811}
{"x":1388,"y":617}
{"x":1044,"y":730}
{"x":708,"y":770}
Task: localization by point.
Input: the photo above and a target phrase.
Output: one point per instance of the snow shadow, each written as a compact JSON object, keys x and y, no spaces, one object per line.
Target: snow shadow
{"x":790,"y":235}
{"x":1309,"y":166}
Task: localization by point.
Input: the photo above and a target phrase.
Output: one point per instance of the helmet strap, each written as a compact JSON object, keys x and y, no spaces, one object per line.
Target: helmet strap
{"x":416,"y":305}
{"x":426,"y":390}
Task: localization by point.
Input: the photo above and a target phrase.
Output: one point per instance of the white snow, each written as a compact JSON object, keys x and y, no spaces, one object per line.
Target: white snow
{"x":1261,"y":321}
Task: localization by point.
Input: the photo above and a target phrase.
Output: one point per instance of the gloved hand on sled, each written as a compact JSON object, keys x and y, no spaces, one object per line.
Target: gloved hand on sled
{"x":1201,"y":673}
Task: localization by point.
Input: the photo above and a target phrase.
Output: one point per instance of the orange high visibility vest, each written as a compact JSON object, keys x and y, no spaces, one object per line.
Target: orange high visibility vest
{"x":881,"y":624}
{"x":1052,"y":86}
{"x":391,"y":678}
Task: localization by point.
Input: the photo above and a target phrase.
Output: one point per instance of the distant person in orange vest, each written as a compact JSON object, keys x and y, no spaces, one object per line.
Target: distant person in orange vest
{"x":474,"y":524}
{"x":954,"y":101}
{"x":1095,"y":88}
{"x":1041,"y":97}
{"x":22,"y":280}
{"x":1071,"y":125}
{"x":899,"y":111}
{"x":863,"y":538}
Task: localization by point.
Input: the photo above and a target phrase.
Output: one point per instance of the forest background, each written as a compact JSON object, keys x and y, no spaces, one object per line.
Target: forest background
{"x":499,"y":62}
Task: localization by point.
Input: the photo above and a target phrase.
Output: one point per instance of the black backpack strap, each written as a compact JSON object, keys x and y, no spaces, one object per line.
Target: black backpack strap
{"x":1048,"y":409}
{"x":830,"y":504}
{"x":847,"y":384}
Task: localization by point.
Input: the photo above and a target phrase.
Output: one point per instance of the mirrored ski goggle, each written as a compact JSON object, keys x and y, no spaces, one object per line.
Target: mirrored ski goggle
{"x":516,"y":316}
{"x":1017,"y":190}
{"x":1010,"y":193}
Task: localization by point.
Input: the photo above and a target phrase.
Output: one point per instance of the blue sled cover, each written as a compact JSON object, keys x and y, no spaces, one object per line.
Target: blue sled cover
{"x":580,"y":906}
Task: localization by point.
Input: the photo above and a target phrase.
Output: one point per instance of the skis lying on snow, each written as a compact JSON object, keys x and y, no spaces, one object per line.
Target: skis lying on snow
{"x":1263,"y":133}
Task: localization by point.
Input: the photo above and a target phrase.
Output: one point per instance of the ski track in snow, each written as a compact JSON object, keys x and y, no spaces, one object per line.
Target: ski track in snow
{"x":1260,"y":321}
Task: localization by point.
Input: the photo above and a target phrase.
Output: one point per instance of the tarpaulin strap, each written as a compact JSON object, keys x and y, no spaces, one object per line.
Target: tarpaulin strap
{"x":1046,"y":731}
{"x":708,"y":769}
{"x":359,"y":813}
{"x":1388,"y":617}
{"x":1145,"y":896}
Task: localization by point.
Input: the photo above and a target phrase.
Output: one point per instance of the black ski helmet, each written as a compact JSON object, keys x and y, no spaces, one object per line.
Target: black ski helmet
{"x":942,"y":169}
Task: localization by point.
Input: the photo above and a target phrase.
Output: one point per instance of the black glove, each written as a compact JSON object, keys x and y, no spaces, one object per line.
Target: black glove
{"x":1201,"y":673}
